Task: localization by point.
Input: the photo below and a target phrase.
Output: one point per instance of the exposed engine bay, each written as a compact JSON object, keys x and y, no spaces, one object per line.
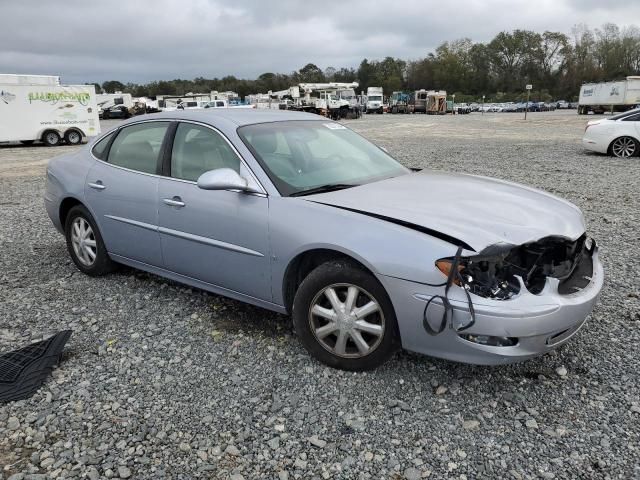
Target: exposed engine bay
{"x":496,"y":271}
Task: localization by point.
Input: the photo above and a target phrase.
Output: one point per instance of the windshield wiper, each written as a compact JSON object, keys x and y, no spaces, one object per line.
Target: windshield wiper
{"x":329,"y":187}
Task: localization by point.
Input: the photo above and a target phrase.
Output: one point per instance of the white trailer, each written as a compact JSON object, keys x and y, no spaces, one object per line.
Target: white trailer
{"x":108,"y":100}
{"x":38,"y":108}
{"x":609,"y":96}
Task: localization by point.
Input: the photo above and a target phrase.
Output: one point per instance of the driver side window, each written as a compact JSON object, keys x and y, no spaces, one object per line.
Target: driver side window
{"x":198,"y":149}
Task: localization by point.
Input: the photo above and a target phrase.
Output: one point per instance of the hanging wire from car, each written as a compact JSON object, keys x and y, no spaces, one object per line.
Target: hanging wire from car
{"x":454,"y":274}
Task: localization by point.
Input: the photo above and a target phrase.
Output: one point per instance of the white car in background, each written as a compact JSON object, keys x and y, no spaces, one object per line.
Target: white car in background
{"x":618,"y":135}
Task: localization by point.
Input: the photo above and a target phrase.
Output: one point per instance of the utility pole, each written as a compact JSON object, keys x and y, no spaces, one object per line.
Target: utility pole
{"x":482,"y":109}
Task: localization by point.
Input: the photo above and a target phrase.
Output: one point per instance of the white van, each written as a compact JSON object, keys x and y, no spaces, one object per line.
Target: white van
{"x":37,"y":108}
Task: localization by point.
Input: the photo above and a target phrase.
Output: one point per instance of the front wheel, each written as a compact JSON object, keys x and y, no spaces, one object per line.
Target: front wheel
{"x":624,"y":147}
{"x":344,"y":318}
{"x":85,"y":244}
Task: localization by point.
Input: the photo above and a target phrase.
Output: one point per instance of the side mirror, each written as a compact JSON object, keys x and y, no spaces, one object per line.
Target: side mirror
{"x":224,"y":179}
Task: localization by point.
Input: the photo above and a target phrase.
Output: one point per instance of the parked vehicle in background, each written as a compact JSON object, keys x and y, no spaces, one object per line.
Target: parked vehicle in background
{"x":462,"y":108}
{"x":399,"y":102}
{"x":38,"y":108}
{"x":225,"y":104}
{"x":418,"y":101}
{"x":302,"y":216}
{"x":437,"y":102}
{"x":375,"y":100}
{"x":107,"y":100}
{"x":117,"y":111}
{"x":618,"y":135}
{"x":609,"y":96}
{"x":562,"y":105}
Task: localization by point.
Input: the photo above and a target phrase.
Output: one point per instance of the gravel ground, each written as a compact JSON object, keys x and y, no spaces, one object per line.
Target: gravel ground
{"x":164,"y":381}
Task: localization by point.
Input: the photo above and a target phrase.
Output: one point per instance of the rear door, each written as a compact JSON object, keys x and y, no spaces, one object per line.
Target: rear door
{"x":219,"y":237}
{"x":122,"y":190}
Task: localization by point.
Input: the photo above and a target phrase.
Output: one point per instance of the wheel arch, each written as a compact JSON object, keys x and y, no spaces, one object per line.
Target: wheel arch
{"x":65,"y":206}
{"x":304,"y":262}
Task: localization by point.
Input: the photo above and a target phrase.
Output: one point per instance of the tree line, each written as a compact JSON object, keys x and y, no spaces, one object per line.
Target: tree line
{"x":554,"y":62}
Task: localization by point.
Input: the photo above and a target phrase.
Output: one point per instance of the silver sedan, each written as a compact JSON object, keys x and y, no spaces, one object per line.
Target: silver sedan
{"x":301,"y":215}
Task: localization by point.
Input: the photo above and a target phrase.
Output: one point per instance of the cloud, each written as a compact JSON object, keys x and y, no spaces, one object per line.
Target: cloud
{"x":165,"y":39}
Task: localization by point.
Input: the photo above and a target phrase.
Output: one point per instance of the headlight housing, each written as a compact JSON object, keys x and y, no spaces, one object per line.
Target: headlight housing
{"x":496,"y":271}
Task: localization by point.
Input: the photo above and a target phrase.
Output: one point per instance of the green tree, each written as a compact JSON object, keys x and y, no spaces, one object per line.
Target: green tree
{"x":113,"y":86}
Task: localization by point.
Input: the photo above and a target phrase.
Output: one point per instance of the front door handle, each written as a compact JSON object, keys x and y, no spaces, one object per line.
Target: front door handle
{"x":97,"y":185}
{"x":174,"y":202}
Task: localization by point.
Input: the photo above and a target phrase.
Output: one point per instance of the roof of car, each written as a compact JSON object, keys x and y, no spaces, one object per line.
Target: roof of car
{"x":238,"y":116}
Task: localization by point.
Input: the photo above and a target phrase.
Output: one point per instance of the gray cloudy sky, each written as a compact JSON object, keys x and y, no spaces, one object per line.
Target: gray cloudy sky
{"x":143,"y":40}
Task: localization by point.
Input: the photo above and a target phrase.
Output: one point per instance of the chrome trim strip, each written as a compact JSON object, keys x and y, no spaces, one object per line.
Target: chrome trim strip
{"x":187,"y":236}
{"x":209,"y":241}
{"x":136,"y":223}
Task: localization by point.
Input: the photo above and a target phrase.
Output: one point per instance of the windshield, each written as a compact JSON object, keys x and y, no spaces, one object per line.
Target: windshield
{"x":375,"y":98}
{"x":301,"y":155}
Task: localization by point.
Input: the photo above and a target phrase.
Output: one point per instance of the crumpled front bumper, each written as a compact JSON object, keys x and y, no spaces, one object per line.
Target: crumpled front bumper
{"x":539,"y":322}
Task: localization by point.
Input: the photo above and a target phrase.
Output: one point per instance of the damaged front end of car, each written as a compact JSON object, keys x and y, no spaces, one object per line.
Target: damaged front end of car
{"x":501,"y":272}
{"x":529,"y":298}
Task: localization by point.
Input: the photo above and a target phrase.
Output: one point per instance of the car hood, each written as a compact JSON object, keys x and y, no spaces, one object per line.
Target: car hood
{"x":476,"y":211}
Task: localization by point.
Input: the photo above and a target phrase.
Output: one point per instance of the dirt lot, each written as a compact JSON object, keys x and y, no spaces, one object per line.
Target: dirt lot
{"x":163,"y":381}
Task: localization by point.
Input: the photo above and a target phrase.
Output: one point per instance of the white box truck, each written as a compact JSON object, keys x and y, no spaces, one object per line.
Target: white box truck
{"x":609,"y":96}
{"x":37,"y":108}
{"x":374,"y":100}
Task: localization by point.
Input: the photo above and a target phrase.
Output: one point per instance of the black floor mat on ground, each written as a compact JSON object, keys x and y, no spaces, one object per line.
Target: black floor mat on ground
{"x":23,"y":371}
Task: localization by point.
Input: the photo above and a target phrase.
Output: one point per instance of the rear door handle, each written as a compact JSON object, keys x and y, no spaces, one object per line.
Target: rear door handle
{"x":97,"y":185}
{"x":174,"y":202}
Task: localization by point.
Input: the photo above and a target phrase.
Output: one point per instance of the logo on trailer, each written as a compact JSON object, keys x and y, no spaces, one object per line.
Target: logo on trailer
{"x":64,"y":96}
{"x":615,"y":91}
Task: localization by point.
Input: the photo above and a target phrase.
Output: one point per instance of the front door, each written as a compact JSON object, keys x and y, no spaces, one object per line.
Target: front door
{"x":219,"y":237}
{"x":122,"y":192}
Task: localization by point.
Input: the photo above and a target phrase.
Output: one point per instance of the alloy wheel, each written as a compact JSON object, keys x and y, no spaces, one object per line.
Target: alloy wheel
{"x":624,"y":147}
{"x":347,"y":320}
{"x":84,"y":241}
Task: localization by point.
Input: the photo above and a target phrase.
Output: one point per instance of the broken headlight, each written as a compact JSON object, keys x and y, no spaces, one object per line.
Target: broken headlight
{"x":493,"y":273}
{"x":488,"y":277}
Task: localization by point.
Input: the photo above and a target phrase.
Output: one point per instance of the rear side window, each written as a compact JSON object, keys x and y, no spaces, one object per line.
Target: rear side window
{"x":100,"y":149}
{"x":138,"y":147}
{"x":632,"y":118}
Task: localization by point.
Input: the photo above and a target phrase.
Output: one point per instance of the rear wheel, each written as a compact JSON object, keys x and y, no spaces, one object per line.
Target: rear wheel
{"x":624,"y":147}
{"x":73,"y":137}
{"x":51,"y":138}
{"x":85,"y":244}
{"x":344,"y":318}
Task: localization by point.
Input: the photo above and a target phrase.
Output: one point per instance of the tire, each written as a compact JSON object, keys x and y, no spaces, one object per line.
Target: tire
{"x":51,"y":138}
{"x":624,"y":147}
{"x":377,"y":327}
{"x":100,"y":264}
{"x":73,"y":137}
